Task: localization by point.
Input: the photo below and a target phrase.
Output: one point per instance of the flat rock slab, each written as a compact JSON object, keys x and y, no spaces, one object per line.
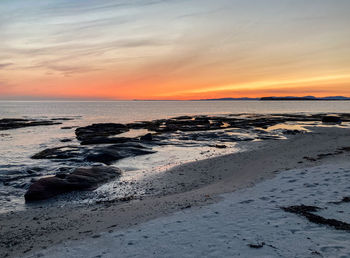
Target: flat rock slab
{"x":14,"y":123}
{"x":102,"y":133}
{"x":81,"y":179}
{"x":110,"y":154}
{"x":63,"y":152}
{"x":99,"y":130}
{"x":335,"y":119}
{"x":106,"y":154}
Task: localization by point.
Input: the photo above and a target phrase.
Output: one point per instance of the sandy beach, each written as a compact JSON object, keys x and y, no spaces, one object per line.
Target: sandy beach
{"x":45,"y":230}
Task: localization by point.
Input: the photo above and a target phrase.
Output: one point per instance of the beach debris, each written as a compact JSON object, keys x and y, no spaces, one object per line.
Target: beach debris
{"x":117,"y":200}
{"x":220,"y":146}
{"x":347,"y":149}
{"x":309,"y":158}
{"x":308,"y":212}
{"x":345,"y":199}
{"x":186,"y":207}
{"x":80,"y":179}
{"x":257,"y":246}
{"x":323,"y":155}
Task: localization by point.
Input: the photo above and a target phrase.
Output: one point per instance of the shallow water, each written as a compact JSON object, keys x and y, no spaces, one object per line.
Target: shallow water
{"x":17,"y":146}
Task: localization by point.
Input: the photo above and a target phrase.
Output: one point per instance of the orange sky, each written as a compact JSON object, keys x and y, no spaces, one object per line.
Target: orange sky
{"x":174,"y":49}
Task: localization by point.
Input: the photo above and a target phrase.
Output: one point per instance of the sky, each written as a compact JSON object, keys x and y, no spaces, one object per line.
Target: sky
{"x":173,"y":49}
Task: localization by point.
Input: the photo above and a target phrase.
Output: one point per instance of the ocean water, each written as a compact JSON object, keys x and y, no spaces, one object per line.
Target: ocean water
{"x":128,"y":111}
{"x":17,"y":146}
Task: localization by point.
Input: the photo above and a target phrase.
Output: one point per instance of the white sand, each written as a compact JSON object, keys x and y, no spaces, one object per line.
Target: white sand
{"x":249,"y":216}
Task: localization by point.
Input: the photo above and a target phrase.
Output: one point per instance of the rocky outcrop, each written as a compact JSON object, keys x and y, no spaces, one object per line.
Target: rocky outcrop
{"x":333,"y":119}
{"x":146,"y":137}
{"x":110,"y":154}
{"x":107,"y":140}
{"x":99,"y":130}
{"x":63,"y":152}
{"x":80,"y":179}
{"x":105,"y":133}
{"x":12,"y":123}
{"x":106,"y":154}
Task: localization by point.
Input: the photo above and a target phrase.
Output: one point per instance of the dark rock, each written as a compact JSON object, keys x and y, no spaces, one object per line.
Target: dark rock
{"x":140,"y":125}
{"x":345,"y":199}
{"x":66,"y":140}
{"x":62,"y":119}
{"x":147,"y":137}
{"x":64,"y":152}
{"x":13,"y":180}
{"x":100,"y":133}
{"x":220,"y":146}
{"x":347,"y":149}
{"x":108,"y":155}
{"x":301,"y":209}
{"x":333,"y":119}
{"x":68,"y":127}
{"x":13,"y":123}
{"x":80,"y":179}
{"x":99,"y":130}
{"x":107,"y":140}
{"x":292,"y":132}
{"x":175,"y":124}
{"x":182,"y":118}
{"x":104,"y":156}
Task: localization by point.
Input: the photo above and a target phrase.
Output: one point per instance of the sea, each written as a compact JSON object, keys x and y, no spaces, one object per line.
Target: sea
{"x":18,"y":145}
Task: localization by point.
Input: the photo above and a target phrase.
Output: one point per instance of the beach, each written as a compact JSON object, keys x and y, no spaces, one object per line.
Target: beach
{"x":211,"y":183}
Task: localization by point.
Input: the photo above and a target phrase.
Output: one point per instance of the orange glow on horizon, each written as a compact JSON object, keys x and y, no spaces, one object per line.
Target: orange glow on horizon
{"x":95,"y":88}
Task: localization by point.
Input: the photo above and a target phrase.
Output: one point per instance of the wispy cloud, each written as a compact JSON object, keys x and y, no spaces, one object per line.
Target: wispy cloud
{"x":169,"y":45}
{"x":5,"y":65}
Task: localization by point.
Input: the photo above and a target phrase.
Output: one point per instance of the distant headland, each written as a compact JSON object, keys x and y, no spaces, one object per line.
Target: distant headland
{"x":286,"y":98}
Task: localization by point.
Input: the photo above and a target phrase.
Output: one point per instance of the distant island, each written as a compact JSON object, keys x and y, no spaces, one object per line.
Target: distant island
{"x":285,"y":98}
{"x":229,"y":99}
{"x":307,"y":98}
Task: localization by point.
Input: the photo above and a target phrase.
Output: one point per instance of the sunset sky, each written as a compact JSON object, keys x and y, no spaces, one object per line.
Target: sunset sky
{"x":173,"y":49}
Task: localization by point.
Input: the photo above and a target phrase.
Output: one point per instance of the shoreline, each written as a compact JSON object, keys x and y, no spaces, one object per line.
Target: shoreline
{"x":138,"y":148}
{"x":32,"y":230}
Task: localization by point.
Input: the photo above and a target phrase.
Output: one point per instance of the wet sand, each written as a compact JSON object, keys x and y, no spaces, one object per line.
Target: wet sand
{"x":193,"y":184}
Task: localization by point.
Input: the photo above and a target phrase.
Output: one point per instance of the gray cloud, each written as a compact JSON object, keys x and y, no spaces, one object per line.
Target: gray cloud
{"x":5,"y":65}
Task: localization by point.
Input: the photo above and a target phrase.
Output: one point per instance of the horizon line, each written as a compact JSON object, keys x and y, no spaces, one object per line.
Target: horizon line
{"x":33,"y":98}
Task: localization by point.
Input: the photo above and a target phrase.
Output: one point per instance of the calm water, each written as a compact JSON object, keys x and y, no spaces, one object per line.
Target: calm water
{"x":126,"y":111}
{"x":17,"y":146}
